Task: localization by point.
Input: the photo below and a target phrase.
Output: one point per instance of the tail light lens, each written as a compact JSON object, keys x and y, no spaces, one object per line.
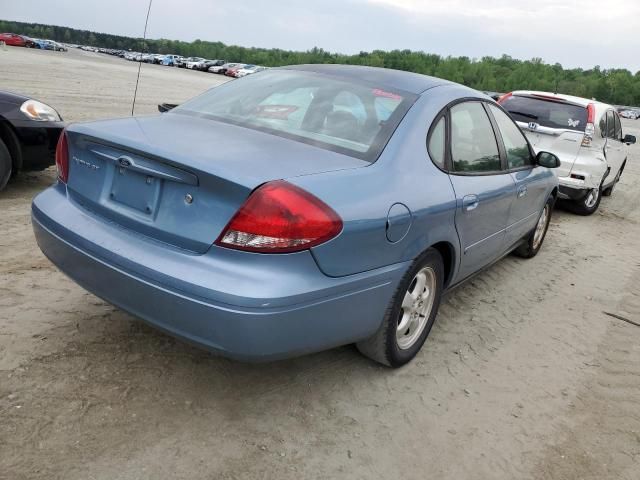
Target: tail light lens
{"x":504,"y":98}
{"x":62,"y":157}
{"x":279,"y":217}
{"x":590,"y":128}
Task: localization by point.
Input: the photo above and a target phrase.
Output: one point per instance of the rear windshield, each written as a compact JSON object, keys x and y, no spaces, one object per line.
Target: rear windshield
{"x":350,"y":117}
{"x":547,"y":113}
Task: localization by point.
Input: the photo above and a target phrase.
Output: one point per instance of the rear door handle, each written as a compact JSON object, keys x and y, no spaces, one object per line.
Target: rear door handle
{"x":470,"y":202}
{"x":522,"y":191}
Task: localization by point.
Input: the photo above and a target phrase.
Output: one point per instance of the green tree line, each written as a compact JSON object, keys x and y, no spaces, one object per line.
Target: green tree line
{"x":618,"y":86}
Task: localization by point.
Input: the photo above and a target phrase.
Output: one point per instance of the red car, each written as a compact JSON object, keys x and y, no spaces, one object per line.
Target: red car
{"x":16,"y":40}
{"x":231,"y":72}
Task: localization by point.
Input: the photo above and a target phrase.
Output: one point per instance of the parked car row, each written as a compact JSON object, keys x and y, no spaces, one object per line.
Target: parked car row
{"x":15,"y":40}
{"x":230,"y":69}
{"x":632,"y":114}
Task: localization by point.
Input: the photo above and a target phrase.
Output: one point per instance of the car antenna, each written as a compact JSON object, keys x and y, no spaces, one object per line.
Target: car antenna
{"x":144,"y":39}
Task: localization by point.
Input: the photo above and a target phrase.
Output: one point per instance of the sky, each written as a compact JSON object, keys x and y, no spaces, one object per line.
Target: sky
{"x":575,"y":33}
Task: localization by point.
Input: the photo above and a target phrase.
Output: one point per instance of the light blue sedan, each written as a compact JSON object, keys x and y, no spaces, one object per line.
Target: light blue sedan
{"x":297,"y":210}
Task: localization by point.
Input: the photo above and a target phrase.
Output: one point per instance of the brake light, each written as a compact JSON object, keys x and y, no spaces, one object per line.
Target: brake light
{"x":591,"y":113}
{"x":504,"y":98}
{"x":589,"y":128}
{"x":279,"y":217}
{"x":62,"y":157}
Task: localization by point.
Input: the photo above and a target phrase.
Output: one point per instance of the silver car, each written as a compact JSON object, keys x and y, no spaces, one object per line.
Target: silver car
{"x":584,"y":134}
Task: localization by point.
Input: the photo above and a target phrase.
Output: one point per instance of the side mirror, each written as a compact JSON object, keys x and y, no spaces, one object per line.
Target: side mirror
{"x":546,"y":159}
{"x":629,"y":139}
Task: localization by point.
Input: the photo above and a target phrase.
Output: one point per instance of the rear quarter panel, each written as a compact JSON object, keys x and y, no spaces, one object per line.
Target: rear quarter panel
{"x":403,"y":174}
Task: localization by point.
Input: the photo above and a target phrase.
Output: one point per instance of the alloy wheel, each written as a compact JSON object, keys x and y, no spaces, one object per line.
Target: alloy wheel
{"x":416,"y":308}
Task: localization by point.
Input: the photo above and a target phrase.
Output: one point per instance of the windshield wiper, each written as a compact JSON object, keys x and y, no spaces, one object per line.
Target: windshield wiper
{"x":523,"y":114}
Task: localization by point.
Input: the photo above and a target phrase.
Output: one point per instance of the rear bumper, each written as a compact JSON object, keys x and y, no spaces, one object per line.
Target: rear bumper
{"x":570,"y":193}
{"x":245,"y":306}
{"x":573,"y":188}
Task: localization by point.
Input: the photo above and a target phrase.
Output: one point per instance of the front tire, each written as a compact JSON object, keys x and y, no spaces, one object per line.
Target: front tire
{"x":410,"y":314}
{"x":535,"y":239}
{"x":5,"y":165}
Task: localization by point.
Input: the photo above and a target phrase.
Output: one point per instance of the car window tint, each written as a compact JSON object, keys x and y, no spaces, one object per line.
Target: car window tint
{"x":473,"y":143}
{"x":611,"y":126}
{"x":437,"y":143}
{"x":546,"y":112}
{"x":618,"y":127}
{"x":349,"y":102}
{"x":515,"y":143}
{"x":385,"y":107}
{"x":288,"y":107}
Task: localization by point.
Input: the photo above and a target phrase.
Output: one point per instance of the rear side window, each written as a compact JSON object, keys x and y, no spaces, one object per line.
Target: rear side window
{"x":473,"y":143}
{"x":437,"y":143}
{"x":548,"y":113}
{"x":515,"y":144}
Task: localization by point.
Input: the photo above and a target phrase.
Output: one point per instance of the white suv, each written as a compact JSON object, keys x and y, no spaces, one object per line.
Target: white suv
{"x":584,"y":134}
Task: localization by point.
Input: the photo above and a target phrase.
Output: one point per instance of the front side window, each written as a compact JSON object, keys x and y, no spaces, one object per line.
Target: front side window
{"x":603,"y":125}
{"x":350,"y":117}
{"x":611,"y":125}
{"x":473,"y":143}
{"x":618,"y":127}
{"x":515,"y":143}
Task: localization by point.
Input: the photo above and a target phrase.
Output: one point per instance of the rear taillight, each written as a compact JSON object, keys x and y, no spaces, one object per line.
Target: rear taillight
{"x":279,"y":217}
{"x":504,"y":98}
{"x":589,"y":128}
{"x":62,"y":157}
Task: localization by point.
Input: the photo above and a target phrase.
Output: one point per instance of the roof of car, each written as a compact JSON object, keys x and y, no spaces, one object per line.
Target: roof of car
{"x":567,"y":98}
{"x":407,"y":81}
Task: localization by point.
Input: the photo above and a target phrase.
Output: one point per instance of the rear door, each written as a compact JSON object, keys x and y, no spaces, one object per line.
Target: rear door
{"x":531,"y":180}
{"x":551,"y":125}
{"x":484,"y":190}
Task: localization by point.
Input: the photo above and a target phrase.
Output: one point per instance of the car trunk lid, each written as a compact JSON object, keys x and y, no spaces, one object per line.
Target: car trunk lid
{"x":180,"y":179}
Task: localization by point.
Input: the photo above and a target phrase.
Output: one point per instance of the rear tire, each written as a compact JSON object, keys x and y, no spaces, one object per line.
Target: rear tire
{"x":415,"y":305}
{"x":588,"y":204}
{"x":536,"y":238}
{"x":6,"y":165}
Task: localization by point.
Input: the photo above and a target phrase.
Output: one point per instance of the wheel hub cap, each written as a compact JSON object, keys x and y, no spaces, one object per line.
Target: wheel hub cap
{"x":416,"y":308}
{"x":592,"y":198}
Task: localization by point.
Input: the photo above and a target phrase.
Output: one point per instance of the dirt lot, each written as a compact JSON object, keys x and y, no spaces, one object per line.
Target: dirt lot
{"x":523,"y":377}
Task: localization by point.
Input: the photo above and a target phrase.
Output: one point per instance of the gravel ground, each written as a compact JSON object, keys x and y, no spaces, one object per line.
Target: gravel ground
{"x":523,"y":376}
